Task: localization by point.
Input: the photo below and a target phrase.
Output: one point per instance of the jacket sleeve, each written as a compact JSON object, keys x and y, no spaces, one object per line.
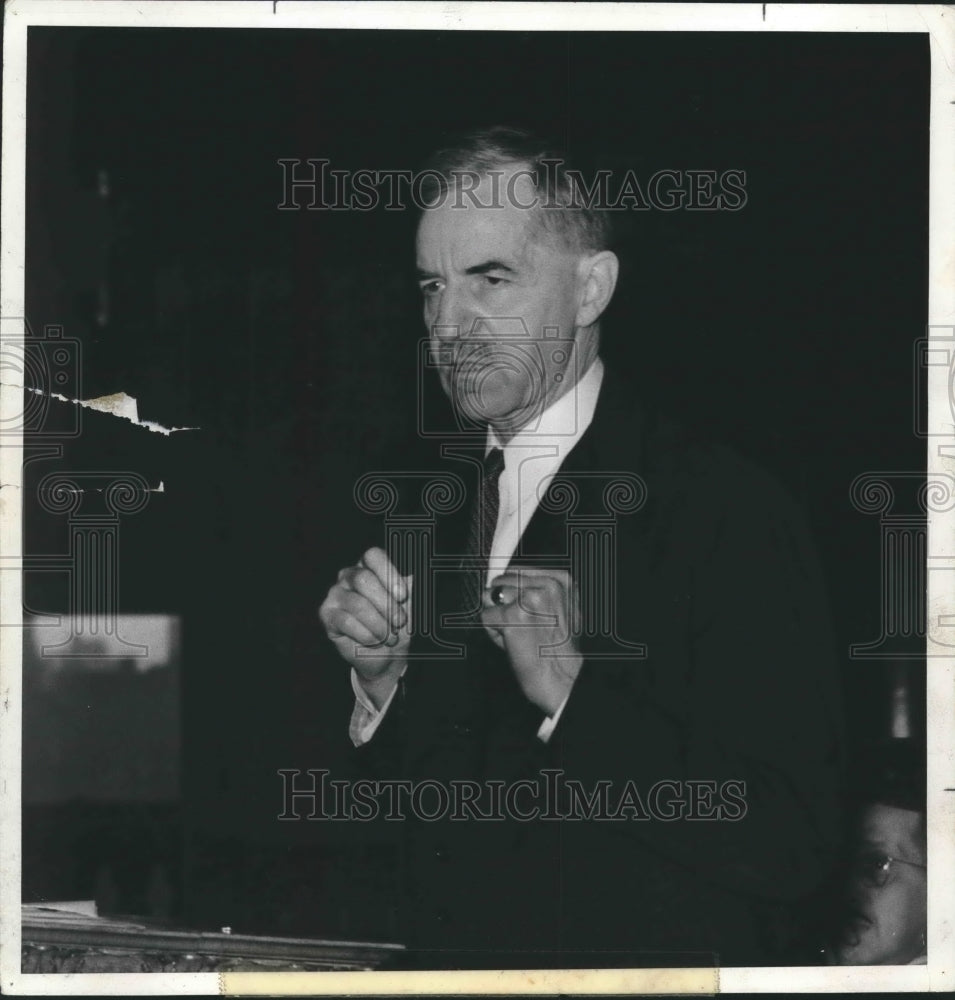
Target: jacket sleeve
{"x":380,"y":758}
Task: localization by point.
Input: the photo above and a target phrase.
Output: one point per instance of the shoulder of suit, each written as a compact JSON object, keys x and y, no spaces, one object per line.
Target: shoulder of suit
{"x":685,"y":467}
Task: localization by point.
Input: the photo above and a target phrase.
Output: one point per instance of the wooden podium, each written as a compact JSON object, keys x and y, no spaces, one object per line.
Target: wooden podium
{"x":74,"y":939}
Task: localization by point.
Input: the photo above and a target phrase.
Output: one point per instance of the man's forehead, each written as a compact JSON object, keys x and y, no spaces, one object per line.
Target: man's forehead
{"x":891,"y":829}
{"x":507,"y":192}
{"x":475,"y":232}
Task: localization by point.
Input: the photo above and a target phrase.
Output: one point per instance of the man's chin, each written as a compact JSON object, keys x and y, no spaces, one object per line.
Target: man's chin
{"x":495,"y":407}
{"x":862,"y":944}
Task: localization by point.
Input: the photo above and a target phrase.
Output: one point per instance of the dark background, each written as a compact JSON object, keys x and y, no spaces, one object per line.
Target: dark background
{"x":289,"y":338}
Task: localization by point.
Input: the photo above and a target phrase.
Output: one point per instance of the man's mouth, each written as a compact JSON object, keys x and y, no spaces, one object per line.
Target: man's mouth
{"x":454,"y":357}
{"x":856,"y":925}
{"x":468,"y":367}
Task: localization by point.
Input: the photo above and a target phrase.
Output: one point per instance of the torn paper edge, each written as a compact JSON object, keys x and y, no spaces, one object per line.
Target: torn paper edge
{"x":119,"y":404}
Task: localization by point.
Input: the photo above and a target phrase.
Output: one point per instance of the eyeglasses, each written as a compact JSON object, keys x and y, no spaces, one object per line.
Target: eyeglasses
{"x":873,"y":869}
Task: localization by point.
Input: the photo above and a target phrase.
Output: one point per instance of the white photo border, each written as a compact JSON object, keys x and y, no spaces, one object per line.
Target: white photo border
{"x":938,"y":23}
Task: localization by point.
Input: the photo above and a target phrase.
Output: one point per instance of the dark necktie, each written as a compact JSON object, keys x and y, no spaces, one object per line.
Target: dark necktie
{"x":481,"y":533}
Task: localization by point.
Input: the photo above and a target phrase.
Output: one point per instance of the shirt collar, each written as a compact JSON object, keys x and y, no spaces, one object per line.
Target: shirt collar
{"x":563,"y":422}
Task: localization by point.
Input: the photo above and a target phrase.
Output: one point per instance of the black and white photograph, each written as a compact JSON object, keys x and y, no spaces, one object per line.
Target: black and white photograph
{"x":478,"y":498}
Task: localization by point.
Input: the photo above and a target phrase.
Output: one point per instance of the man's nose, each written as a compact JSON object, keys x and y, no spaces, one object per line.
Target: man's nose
{"x":451,"y":319}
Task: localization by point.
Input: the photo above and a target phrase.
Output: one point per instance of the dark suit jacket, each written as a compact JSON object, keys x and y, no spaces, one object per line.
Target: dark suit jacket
{"x":716,"y":576}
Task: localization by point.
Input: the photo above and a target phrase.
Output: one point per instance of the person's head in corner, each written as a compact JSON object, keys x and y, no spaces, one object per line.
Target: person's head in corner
{"x":888,"y":880}
{"x":515,"y":268}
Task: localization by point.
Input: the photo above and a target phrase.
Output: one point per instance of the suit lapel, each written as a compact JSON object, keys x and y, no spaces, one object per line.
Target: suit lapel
{"x":582,"y":500}
{"x":611,"y":445}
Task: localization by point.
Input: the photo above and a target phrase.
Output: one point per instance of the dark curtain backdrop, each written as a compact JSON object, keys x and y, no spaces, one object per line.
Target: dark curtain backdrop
{"x":290,"y":339}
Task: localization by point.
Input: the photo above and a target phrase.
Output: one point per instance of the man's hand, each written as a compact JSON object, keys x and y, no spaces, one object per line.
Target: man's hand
{"x":367,"y":615}
{"x":535,"y":622}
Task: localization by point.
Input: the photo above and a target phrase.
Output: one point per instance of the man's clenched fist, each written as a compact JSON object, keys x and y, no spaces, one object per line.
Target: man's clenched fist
{"x":367,"y":615}
{"x":533,"y":615}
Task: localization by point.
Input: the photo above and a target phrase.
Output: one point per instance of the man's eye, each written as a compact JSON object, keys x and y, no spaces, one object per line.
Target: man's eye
{"x":430,"y":288}
{"x":493,"y":280}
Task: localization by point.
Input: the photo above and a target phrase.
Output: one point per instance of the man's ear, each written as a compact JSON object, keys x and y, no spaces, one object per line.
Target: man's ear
{"x":598,"y":277}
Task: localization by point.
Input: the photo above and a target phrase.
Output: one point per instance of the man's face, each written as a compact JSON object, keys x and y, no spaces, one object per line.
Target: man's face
{"x":890,"y":920}
{"x":500,"y":304}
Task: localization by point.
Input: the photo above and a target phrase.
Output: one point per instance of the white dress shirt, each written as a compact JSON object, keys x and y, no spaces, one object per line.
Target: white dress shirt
{"x":531,"y":459}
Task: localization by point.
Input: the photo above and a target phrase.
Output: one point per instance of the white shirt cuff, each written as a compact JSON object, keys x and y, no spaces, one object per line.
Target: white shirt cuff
{"x":365,"y":718}
{"x":549,"y":724}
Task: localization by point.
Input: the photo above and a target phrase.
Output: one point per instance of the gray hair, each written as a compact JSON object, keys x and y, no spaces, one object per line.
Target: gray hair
{"x":562,"y":208}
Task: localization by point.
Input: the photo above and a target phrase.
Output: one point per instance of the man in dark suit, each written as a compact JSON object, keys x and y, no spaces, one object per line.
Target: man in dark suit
{"x":631,"y":671}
